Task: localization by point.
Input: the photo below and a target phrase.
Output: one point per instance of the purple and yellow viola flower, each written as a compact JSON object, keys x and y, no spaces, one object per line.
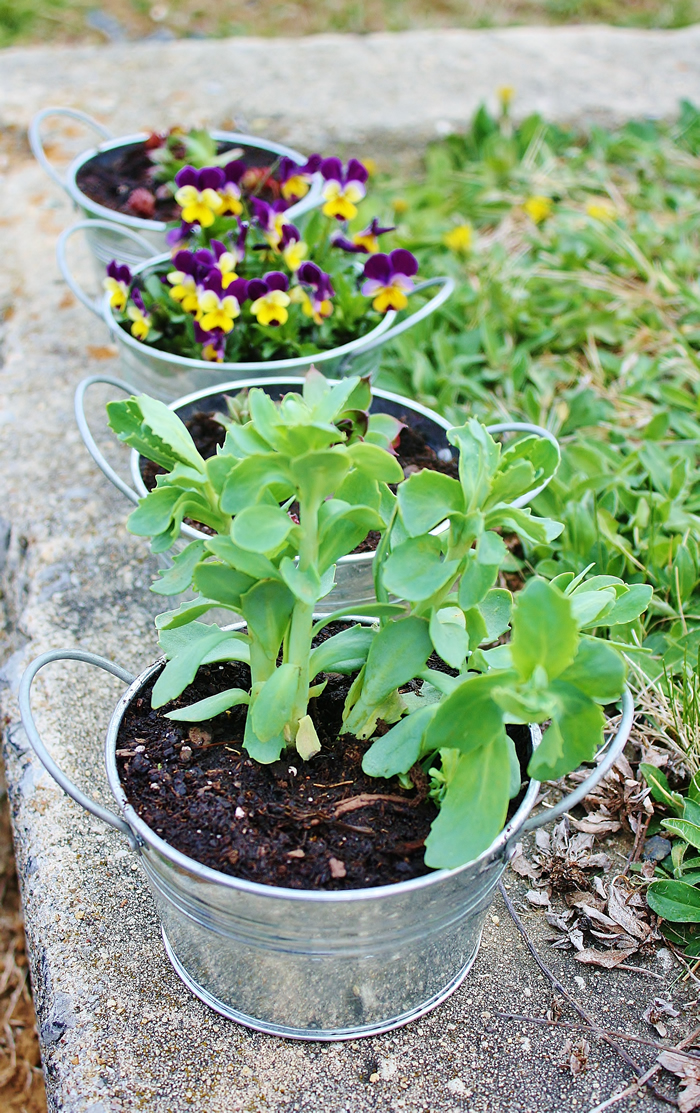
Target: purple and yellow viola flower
{"x":230,"y":191}
{"x":365,"y":242}
{"x":136,"y":312}
{"x":218,"y":257}
{"x":316,"y":303}
{"x":198,"y":195}
{"x":179,"y":235}
{"x":213,"y":343}
{"x":388,"y":279}
{"x":117,"y":284}
{"x":217,"y":308}
{"x":293,"y":248}
{"x":184,"y":280}
{"x":295,"y":181}
{"x":270,"y":298}
{"x":271,"y":219}
{"x":343,"y":188}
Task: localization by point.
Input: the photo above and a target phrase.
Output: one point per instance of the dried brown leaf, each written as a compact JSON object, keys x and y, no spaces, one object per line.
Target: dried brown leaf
{"x":521,"y":865}
{"x":688,"y":1070}
{"x":575,"y":1056}
{"x":607,"y":959}
{"x":625,"y":916}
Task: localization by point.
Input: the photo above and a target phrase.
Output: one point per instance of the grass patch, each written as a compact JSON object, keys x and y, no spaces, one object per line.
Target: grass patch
{"x":26,"y":21}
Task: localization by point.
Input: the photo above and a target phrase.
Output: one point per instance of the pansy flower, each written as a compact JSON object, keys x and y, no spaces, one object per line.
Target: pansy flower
{"x":388,"y":279}
{"x":184,"y":280}
{"x":117,"y":284}
{"x":270,"y":298}
{"x":198,"y":195}
{"x":213,"y":343}
{"x":218,"y":257}
{"x":343,"y":188}
{"x":295,"y":180}
{"x":230,"y":191}
{"x":314,"y":292}
{"x":293,"y":248}
{"x":364,"y":242}
{"x":175,"y":236}
{"x":140,"y":320}
{"x":270,"y":218}
{"x":218,"y":309}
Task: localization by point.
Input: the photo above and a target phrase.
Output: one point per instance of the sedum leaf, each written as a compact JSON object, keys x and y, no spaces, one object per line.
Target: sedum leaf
{"x":210,"y":707}
{"x":545,"y":633}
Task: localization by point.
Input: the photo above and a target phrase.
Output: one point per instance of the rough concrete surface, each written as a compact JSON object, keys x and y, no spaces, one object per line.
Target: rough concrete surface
{"x":400,"y":89}
{"x":119,"y":1032}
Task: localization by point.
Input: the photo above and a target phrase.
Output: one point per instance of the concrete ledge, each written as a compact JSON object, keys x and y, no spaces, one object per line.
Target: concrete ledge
{"x":402,"y":88}
{"x":119,"y":1032}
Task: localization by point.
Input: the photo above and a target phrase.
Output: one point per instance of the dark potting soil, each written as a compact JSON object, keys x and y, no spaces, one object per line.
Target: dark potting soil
{"x":321,"y":824}
{"x":413,"y":453}
{"x":122,"y":180}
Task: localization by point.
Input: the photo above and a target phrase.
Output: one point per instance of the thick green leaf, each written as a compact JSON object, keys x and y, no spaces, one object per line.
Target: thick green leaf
{"x":481,"y":570}
{"x":683,"y":827}
{"x":598,"y":670}
{"x":545,"y":633}
{"x":275,"y":701}
{"x":343,"y":530}
{"x":415,"y":569}
{"x":630,"y":605}
{"x":220,"y":582}
{"x":524,"y":523}
{"x":254,"y":475}
{"x":261,"y":529}
{"x":210,"y":707}
{"x":449,"y":635}
{"x":574,"y":735}
{"x":474,"y":807}
{"x":675,"y":901}
{"x":495,"y":610}
{"x":187,"y":612}
{"x":691,"y":811}
{"x":305,"y":585}
{"x":345,"y":652}
{"x":178,"y":577}
{"x":400,"y":748}
{"x":154,"y":430}
{"x":182,"y":669}
{"x":255,"y":565}
{"x":368,"y":610}
{"x":469,"y":718}
{"x":592,"y":607}
{"x":478,"y":460}
{"x":154,"y":512}
{"x":426,"y":498}
{"x":319,"y":474}
{"x":375,"y":462}
{"x":267,"y":608}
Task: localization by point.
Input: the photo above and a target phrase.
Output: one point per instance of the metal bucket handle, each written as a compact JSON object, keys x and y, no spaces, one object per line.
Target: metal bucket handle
{"x":36,"y":142}
{"x":94,"y":304}
{"x":40,"y":750}
{"x":448,"y":286}
{"x":614,"y":747}
{"x":539,"y":431}
{"x":89,"y":440}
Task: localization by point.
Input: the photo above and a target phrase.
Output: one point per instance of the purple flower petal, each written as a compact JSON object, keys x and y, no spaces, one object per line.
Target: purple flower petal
{"x":234,"y":171}
{"x":356,"y":172}
{"x":276,"y":280}
{"x":290,"y":234}
{"x":218,"y":248}
{"x":257,"y":288}
{"x":403,"y":262}
{"x":261,"y":212}
{"x":341,"y":241}
{"x":378,"y":267}
{"x":372,"y":286}
{"x":138,"y":299}
{"x":188,"y":176}
{"x":287,"y":168}
{"x":179,"y":234}
{"x":185,"y":261}
{"x":211,"y":177}
{"x":332,"y":169}
{"x":309,"y":273}
{"x":312,"y":164}
{"x":239,"y":289}
{"x":212,"y":281}
{"x":204,"y":257}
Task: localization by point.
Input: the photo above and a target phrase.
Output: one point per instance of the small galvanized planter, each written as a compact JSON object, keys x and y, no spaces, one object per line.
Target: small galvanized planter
{"x":106,"y":243}
{"x":354,"y":577}
{"x":310,"y":965}
{"x":167,"y":376}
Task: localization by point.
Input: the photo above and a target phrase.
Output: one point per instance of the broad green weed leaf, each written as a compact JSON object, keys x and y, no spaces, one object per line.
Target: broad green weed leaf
{"x":675,"y":901}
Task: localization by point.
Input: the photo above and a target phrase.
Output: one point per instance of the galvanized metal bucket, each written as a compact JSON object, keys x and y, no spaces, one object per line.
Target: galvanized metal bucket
{"x":167,"y":376}
{"x":310,"y":965}
{"x":106,"y":243}
{"x":354,"y":581}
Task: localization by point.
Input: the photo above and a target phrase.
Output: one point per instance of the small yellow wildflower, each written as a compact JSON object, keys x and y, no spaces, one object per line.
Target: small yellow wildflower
{"x":538,"y":208}
{"x":505,"y":94}
{"x":601,"y":209}
{"x":460,"y":238}
{"x":399,"y":205}
{"x":370,"y":166}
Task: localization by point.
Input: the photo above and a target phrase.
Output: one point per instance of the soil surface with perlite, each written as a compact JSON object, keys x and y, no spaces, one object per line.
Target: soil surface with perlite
{"x":321,"y":824}
{"x":413,"y":453}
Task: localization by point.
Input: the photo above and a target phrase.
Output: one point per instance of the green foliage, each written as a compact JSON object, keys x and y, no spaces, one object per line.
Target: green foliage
{"x":441,"y":554}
